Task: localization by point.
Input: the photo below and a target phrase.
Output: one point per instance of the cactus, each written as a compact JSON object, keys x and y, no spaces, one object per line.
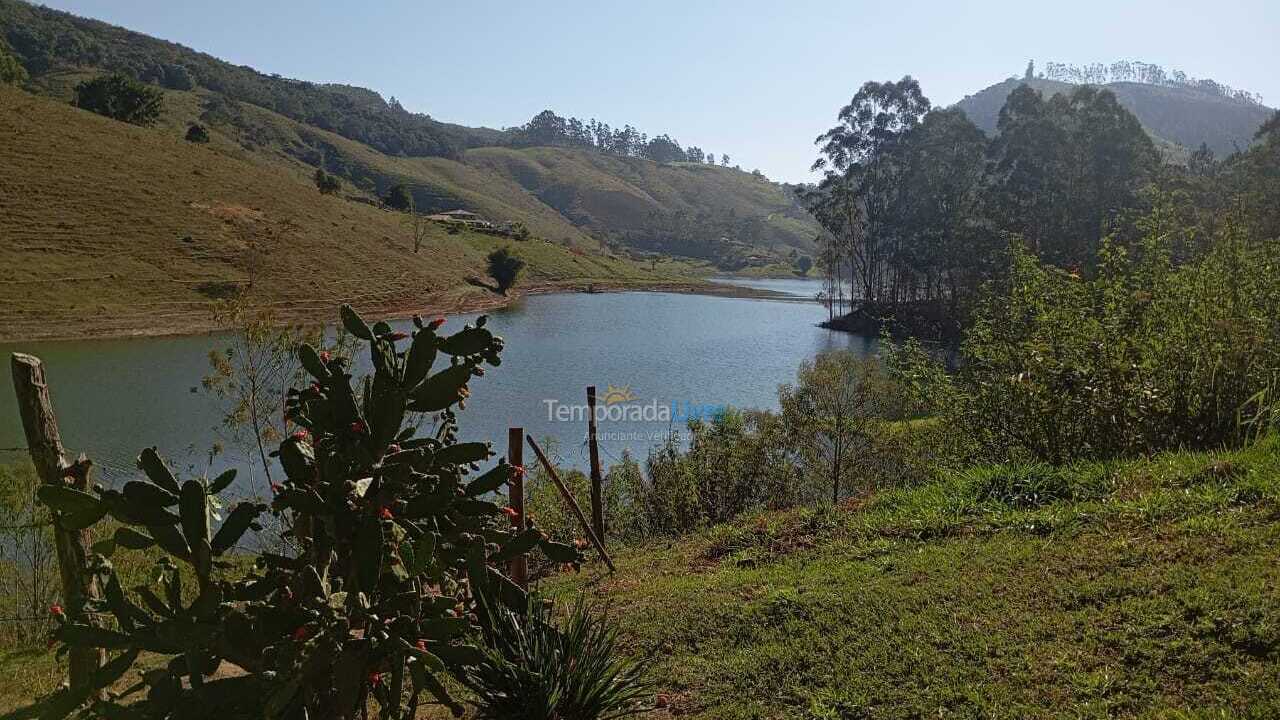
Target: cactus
{"x":398,"y":553}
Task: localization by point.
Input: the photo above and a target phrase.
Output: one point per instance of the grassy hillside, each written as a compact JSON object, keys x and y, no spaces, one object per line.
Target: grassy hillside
{"x":107,"y":228}
{"x":573,"y":196}
{"x":1177,"y":115}
{"x":1136,"y":589}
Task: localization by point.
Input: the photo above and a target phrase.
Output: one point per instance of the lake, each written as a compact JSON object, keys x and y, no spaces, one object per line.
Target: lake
{"x":688,"y":354}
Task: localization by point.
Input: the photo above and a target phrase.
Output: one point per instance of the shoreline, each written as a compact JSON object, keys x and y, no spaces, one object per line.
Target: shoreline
{"x":459,"y":300}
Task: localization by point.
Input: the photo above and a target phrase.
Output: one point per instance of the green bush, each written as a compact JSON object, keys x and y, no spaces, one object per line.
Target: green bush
{"x":1155,"y":352}
{"x":120,"y":98}
{"x":11,"y":71}
{"x":540,"y":667}
{"x":327,"y":184}
{"x":396,"y":568}
{"x":197,"y":134}
{"x":504,"y":268}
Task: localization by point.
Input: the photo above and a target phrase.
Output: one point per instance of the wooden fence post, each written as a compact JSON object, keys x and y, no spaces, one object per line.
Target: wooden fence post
{"x":49,"y":457}
{"x":515,"y":456}
{"x":597,"y":501}
{"x":573,"y":504}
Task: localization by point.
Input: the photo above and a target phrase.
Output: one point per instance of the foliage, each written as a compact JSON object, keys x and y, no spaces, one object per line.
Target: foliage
{"x":327,"y":184}
{"x":29,"y":581}
{"x":398,"y":552}
{"x":833,"y":412}
{"x":549,"y":129}
{"x":1149,"y":355}
{"x":120,"y":98}
{"x":197,"y":133}
{"x":399,"y":198}
{"x":11,"y":71}
{"x":540,"y":667}
{"x":504,"y":268}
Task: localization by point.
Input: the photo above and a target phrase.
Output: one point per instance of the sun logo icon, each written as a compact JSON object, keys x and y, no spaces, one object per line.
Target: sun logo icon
{"x":618,"y":395}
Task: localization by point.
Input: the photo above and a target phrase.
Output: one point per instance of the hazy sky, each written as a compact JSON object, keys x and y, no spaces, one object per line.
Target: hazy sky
{"x":756,"y":80}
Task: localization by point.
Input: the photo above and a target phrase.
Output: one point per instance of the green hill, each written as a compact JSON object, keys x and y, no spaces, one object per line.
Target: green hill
{"x":111,"y":229}
{"x":574,"y":196}
{"x":1182,"y":116}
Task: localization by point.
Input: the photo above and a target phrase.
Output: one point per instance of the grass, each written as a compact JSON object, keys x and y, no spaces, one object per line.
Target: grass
{"x":110,"y":229}
{"x":1141,"y":589}
{"x":1144,"y":588}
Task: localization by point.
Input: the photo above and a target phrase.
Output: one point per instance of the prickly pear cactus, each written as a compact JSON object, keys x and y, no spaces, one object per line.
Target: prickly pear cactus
{"x":400,"y":547}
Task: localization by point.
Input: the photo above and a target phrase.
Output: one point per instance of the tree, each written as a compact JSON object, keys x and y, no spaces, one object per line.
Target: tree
{"x":1031,"y":70}
{"x":197,"y":134}
{"x":803,"y":264}
{"x":120,"y":98}
{"x":832,"y":412}
{"x":504,"y":268}
{"x":11,"y":71}
{"x":399,"y":198}
{"x":327,"y":184}
{"x":724,"y":160}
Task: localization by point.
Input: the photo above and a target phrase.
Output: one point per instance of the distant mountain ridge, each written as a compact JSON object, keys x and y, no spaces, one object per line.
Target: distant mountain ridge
{"x":1182,"y":116}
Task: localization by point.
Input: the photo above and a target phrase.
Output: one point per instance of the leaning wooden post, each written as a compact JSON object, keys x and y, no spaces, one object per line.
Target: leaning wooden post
{"x":49,"y":457}
{"x":573,"y":504}
{"x":597,"y":501}
{"x":515,"y":456}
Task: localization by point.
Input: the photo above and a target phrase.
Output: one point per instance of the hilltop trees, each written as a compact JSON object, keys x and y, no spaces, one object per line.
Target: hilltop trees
{"x":549,"y":129}
{"x":399,"y":198}
{"x":120,"y":98}
{"x":327,"y":184}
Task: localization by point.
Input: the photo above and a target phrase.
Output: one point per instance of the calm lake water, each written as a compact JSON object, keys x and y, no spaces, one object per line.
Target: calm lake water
{"x":685,"y":353}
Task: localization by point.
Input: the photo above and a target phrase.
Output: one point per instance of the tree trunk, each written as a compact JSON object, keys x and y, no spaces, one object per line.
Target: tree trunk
{"x":49,"y":457}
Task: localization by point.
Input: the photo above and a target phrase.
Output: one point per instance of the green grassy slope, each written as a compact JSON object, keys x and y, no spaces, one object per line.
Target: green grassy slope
{"x":1145,"y":589}
{"x":580,"y":197}
{"x":1182,"y":116}
{"x":107,"y":228}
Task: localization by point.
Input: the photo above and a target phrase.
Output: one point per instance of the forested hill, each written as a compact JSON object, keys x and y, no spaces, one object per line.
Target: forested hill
{"x":1183,"y":115}
{"x":607,"y":193}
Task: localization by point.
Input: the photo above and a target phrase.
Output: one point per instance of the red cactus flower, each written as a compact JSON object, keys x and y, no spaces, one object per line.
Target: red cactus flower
{"x":518,"y":470}
{"x":301,"y":633}
{"x":393,"y":337}
{"x":56,"y":610}
{"x":435,"y":324}
{"x":393,"y":448}
{"x":394,"y":561}
{"x":324,"y":357}
{"x":316,"y":386}
{"x":375,"y":679}
{"x":357,"y":427}
{"x":277,"y":488}
{"x":422,"y":645}
{"x":385,"y":513}
{"x":511,"y":513}
{"x":300,"y":435}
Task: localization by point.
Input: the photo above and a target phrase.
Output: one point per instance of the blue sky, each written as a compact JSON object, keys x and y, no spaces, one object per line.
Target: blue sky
{"x":756,"y":80}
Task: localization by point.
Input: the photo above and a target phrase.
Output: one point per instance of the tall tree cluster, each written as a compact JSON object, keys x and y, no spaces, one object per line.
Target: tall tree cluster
{"x":1141,"y":72}
{"x":549,"y":129}
{"x":918,"y":203}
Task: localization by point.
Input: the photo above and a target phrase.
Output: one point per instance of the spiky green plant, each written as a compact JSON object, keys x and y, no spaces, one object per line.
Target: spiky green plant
{"x":542,"y":665}
{"x":399,"y":546}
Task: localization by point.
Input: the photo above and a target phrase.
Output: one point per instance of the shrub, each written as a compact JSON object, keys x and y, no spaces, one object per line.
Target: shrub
{"x":327,"y":184}
{"x":396,"y":572}
{"x":539,"y":667}
{"x":1149,"y":355}
{"x":197,"y":134}
{"x":504,"y":268}
{"x":120,"y":98}
{"x":399,"y":198}
{"x":11,"y":71}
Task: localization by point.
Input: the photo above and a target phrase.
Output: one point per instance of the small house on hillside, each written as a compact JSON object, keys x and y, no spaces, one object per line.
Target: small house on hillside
{"x":461,"y":217}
